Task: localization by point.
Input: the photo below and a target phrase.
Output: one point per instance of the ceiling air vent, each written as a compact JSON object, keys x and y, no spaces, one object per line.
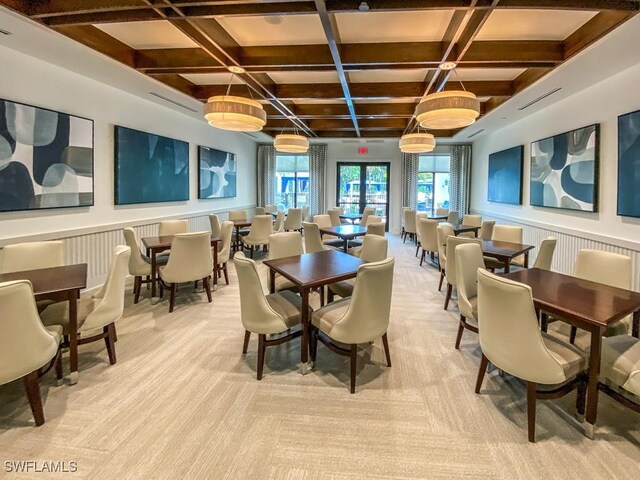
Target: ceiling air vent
{"x":172,"y":101}
{"x":476,"y":133}
{"x":5,"y":32}
{"x":541,"y":97}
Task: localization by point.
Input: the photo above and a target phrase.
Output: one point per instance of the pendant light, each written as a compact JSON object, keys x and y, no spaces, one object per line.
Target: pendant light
{"x":291,"y":142}
{"x":419,"y":142}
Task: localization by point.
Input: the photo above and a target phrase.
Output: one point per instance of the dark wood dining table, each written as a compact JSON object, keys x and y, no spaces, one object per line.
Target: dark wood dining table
{"x":59,"y":284}
{"x":345,"y":233}
{"x":505,"y":252}
{"x":155,"y":245}
{"x":309,"y":271}
{"x":239,"y":225}
{"x":351,"y":217}
{"x":438,"y":217}
{"x":458,"y":229}
{"x":584,"y":304}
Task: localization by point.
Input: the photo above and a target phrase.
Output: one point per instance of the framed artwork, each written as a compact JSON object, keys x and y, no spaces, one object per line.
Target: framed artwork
{"x":564,"y":170}
{"x":505,"y":176}
{"x":149,"y":168}
{"x":629,"y":164}
{"x":46,"y":158}
{"x":216,"y":173}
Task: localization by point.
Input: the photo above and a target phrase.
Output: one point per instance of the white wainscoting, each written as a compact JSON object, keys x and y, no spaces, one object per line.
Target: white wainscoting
{"x":569,"y":243}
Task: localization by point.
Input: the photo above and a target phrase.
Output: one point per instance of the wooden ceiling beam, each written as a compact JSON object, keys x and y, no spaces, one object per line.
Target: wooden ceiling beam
{"x":594,"y":29}
{"x":340,"y":110}
{"x":379,"y":133}
{"x":96,"y":39}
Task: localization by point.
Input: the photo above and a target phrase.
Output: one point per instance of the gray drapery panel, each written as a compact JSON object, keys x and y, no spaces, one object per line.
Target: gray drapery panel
{"x":317,"y":179}
{"x":460,"y":178}
{"x":410,"y":163}
{"x":266,"y":175}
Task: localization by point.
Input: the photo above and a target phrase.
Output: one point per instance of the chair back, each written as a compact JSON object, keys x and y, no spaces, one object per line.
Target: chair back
{"x":442,"y":211}
{"x":334,"y":216}
{"x":256,"y":313}
{"x":486,"y":230}
{"x":450,"y":264}
{"x":374,"y":248}
{"x":367,"y":316}
{"x":365,"y":215}
{"x":111,"y":296}
{"x":270,"y":209}
{"x":137,"y":265}
{"x":32,"y":256}
{"x":305,"y":214}
{"x":409,"y":221}
{"x":261,"y":228}
{"x":294,"y":219}
{"x":375,"y":229}
{"x":260,"y":211}
{"x":278,"y":225}
{"x":445,"y":230}
{"x":237,"y":215}
{"x":323,"y":221}
{"x":609,"y":268}
{"x":428,"y":231}
{"x":226,"y":234}
{"x":373,"y":219}
{"x":509,"y":333}
{"x":507,"y":233}
{"x":312,"y":238}
{"x":469,"y":260}
{"x":173,"y":227}
{"x":214,"y":222}
{"x":472,"y":221}
{"x":25,"y":345}
{"x":190,"y":259}
{"x":453,"y":218}
{"x":285,"y":244}
{"x":545,"y":253}
{"x":419,"y":216}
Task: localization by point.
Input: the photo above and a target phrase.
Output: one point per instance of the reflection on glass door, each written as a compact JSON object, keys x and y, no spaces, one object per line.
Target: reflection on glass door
{"x":353,"y":197}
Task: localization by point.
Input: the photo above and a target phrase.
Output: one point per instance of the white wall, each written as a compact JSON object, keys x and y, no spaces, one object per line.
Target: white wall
{"x":29,"y":80}
{"x":599,"y":103}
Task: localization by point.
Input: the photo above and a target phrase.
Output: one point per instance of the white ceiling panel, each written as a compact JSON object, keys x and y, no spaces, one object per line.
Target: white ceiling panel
{"x":147,"y":35}
{"x":211,"y":78}
{"x":480,"y":74}
{"x":381,"y":76}
{"x":261,"y":30}
{"x":305,"y":77}
{"x":532,"y":24}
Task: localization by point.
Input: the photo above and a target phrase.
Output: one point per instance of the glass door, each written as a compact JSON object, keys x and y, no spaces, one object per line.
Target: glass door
{"x":361,"y":185}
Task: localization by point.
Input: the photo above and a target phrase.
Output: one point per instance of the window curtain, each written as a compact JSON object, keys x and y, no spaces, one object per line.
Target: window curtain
{"x":410,"y":163}
{"x":460,"y":178}
{"x":317,"y":179}
{"x":266,"y":175}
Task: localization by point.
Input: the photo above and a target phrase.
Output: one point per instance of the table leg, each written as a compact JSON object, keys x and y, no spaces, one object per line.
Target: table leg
{"x":215,"y":265}
{"x":73,"y":336}
{"x":635,"y":326}
{"x":345,"y":245}
{"x":304,"y":344}
{"x":154,"y":273}
{"x":592,"y":387}
{"x":507,"y":265}
{"x":526,"y":260}
{"x":272,"y":281}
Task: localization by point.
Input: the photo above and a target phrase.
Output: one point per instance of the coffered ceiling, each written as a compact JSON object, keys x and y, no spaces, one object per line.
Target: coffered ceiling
{"x":331,"y":68}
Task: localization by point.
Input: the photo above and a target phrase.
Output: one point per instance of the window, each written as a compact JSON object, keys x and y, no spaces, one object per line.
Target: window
{"x":292,"y":181}
{"x":433,"y":182}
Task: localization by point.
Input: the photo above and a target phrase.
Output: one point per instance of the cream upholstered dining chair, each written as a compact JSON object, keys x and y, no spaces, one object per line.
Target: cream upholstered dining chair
{"x":238,"y":215}
{"x":261,"y":228}
{"x":372,"y":219}
{"x":404,"y":209}
{"x":442,"y":211}
{"x":293,"y":220}
{"x":376,"y":228}
{"x":272,"y":314}
{"x":285,"y":244}
{"x":312,"y":239}
{"x":260,"y":211}
{"x":190,"y":260}
{"x":26,"y":346}
{"x":468,"y":261}
{"x":359,"y":319}
{"x":323,"y":221}
{"x":334,"y":215}
{"x":365,"y":215}
{"x":505,"y":233}
{"x":486,"y":229}
{"x":620,"y":370}
{"x":545,"y":253}
{"x":224,"y":254}
{"x":450,"y":264}
{"x":100,"y":312}
{"x":173,"y":227}
{"x":305,"y":213}
{"x":214,"y":223}
{"x":445,"y":230}
{"x":472,"y":221}
{"x":428,"y":230}
{"x":139,"y":264}
{"x":419,"y":216}
{"x":511,"y":339}
{"x":409,"y":224}
{"x":374,"y":249}
{"x":453,"y":218}
{"x":278,"y":225}
{"x":270,"y":209}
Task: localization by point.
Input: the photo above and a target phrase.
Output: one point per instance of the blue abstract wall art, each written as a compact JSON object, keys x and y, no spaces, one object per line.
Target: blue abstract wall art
{"x":564,"y":170}
{"x":216,"y":173}
{"x":149,"y":168}
{"x":629,"y":164}
{"x":505,"y":176}
{"x":46,"y":158}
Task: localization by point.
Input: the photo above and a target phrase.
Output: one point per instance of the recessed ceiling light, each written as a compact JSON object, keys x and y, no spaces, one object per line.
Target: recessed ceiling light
{"x":273,"y":19}
{"x":448,"y":66}
{"x":363,"y":7}
{"x":236,"y":69}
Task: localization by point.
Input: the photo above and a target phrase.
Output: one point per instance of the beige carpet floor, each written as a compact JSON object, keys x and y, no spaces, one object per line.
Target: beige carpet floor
{"x":183,"y":403}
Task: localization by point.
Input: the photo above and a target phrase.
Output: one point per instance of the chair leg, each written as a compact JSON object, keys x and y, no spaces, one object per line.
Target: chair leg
{"x":581,"y":397}
{"x":354,"y":359}
{"x":422,"y":257}
{"x":313,"y":343}
{"x":59,"y":372}
{"x":404,"y":239}
{"x":448,"y":296}
{"x":137,"y":284}
{"x":109,"y":340}
{"x":261,"y":349}
{"x":330,"y":295}
{"x":417,"y":249}
{"x":251,"y":251}
{"x":32,"y":387}
{"x":433,"y":257}
{"x":385,"y":343}
{"x":172,"y":297}
{"x":441,"y":280}
{"x":531,"y":411}
{"x":207,"y":288}
{"x":484,"y":363}
{"x":572,"y":335}
{"x":226,"y":274}
{"x":460,"y":332}
{"x":245,"y":344}
{"x":195,"y":284}
{"x":322,"y":296}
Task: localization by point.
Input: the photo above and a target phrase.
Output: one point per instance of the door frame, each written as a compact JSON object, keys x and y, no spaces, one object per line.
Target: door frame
{"x":363,"y":177}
